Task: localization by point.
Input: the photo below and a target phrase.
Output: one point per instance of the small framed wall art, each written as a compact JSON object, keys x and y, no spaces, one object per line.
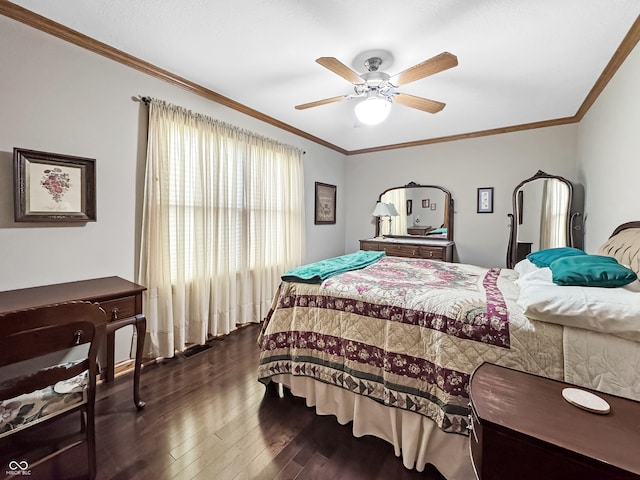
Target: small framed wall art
{"x":325,"y":204}
{"x":49,"y":187}
{"x":485,"y":200}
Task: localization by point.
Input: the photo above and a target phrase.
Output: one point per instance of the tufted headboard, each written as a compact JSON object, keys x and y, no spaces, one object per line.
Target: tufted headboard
{"x":624,"y":245}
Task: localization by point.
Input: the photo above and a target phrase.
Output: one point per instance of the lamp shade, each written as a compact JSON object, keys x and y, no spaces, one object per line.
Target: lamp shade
{"x":382,"y":210}
{"x":373,"y":110}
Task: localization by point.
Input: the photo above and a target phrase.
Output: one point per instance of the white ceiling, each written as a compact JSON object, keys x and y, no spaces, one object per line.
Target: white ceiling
{"x":520,"y":61}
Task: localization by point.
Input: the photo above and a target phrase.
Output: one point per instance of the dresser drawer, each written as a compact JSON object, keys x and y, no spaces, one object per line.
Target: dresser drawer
{"x":401,"y":250}
{"x":434,"y":253}
{"x":120,"y":307}
{"x":414,"y":251}
{"x":376,"y":246}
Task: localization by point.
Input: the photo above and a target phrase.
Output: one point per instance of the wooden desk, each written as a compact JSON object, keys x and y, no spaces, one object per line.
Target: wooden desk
{"x":522,"y":427}
{"x":121,"y":299}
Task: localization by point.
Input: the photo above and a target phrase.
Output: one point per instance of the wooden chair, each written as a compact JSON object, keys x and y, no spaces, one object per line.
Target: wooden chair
{"x":41,"y":388}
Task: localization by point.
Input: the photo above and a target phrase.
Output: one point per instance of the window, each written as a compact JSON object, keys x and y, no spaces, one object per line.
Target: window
{"x":223,"y":219}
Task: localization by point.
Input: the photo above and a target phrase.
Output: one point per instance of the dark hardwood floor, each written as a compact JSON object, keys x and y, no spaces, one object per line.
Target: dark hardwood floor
{"x":207,"y":417}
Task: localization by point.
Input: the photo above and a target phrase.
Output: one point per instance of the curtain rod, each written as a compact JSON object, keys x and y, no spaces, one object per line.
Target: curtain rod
{"x":147,"y":101}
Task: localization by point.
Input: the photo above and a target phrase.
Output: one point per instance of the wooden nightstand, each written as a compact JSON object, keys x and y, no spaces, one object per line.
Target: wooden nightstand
{"x":522,"y":428}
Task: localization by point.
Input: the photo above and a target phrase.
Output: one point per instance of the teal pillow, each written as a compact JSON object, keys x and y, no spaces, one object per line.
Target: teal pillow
{"x":543,"y":258}
{"x":591,"y":271}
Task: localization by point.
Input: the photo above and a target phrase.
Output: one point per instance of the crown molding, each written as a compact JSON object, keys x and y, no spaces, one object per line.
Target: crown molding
{"x":628,"y":44}
{"x":43,"y":24}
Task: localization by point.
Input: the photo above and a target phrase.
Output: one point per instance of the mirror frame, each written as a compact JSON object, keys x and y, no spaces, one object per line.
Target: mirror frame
{"x":514,"y":218}
{"x":417,"y":185}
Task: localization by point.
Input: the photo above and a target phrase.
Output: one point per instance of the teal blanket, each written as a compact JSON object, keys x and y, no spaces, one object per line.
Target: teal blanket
{"x":319,"y":271}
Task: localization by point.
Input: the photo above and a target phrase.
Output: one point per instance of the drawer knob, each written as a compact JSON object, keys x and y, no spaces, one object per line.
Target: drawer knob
{"x":114,"y":313}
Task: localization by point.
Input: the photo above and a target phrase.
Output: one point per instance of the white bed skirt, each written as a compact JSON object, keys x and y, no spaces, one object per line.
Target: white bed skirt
{"x":414,"y":437}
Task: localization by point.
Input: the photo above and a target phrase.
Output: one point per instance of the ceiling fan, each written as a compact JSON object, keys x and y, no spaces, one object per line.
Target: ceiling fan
{"x":379,"y":87}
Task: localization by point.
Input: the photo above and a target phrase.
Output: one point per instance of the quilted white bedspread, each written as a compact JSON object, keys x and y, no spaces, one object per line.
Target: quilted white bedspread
{"x":407,"y":333}
{"x":602,"y":362}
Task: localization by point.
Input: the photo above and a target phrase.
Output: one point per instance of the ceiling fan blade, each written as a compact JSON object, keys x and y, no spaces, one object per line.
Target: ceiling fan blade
{"x":424,"y":104}
{"x":317,"y":103}
{"x":436,"y":64}
{"x":339,"y":68}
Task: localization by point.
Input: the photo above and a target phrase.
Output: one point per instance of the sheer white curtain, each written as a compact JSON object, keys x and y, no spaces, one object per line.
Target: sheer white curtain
{"x":223,"y":218}
{"x":553,"y":221}
{"x":398,"y":225}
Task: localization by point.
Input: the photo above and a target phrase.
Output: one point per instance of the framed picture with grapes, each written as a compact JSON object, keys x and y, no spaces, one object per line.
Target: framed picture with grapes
{"x":50,"y":187}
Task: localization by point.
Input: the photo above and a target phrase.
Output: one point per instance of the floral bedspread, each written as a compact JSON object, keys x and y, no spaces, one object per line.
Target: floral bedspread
{"x":407,"y":333}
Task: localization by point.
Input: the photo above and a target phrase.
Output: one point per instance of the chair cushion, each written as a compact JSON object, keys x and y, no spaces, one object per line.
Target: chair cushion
{"x":18,"y":412}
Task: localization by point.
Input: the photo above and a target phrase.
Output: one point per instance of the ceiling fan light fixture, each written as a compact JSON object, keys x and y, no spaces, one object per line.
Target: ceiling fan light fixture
{"x":373,"y":110}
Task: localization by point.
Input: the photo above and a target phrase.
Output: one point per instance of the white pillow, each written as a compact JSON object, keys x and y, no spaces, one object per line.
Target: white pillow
{"x":525,"y":266}
{"x":539,"y":276}
{"x":607,"y":310}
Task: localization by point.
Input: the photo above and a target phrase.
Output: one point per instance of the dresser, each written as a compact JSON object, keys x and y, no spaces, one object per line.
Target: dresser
{"x":522,"y":427}
{"x":432,"y":249}
{"x":522,"y":250}
{"x":121,"y":299}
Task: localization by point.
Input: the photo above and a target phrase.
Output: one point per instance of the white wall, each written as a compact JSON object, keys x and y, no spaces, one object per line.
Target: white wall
{"x":498,"y":161}
{"x":57,"y":97}
{"x":60,"y":98}
{"x":601,"y":154}
{"x":609,"y":154}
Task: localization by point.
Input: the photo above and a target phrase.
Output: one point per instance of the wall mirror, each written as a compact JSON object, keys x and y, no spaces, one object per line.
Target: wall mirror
{"x":541,"y":216}
{"x":424,"y":211}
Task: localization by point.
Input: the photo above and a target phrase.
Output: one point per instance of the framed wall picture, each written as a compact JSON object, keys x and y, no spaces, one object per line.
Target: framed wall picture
{"x":325,"y":204}
{"x":49,"y":187}
{"x":485,"y":200}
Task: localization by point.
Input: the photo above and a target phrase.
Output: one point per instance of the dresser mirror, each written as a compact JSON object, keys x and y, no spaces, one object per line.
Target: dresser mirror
{"x":423,"y":211}
{"x":541,"y":216}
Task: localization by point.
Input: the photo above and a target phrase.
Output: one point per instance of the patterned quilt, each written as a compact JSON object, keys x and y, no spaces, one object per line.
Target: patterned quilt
{"x":407,"y":333}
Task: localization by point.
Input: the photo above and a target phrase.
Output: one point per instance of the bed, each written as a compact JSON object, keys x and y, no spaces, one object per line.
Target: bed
{"x":391,"y":346}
